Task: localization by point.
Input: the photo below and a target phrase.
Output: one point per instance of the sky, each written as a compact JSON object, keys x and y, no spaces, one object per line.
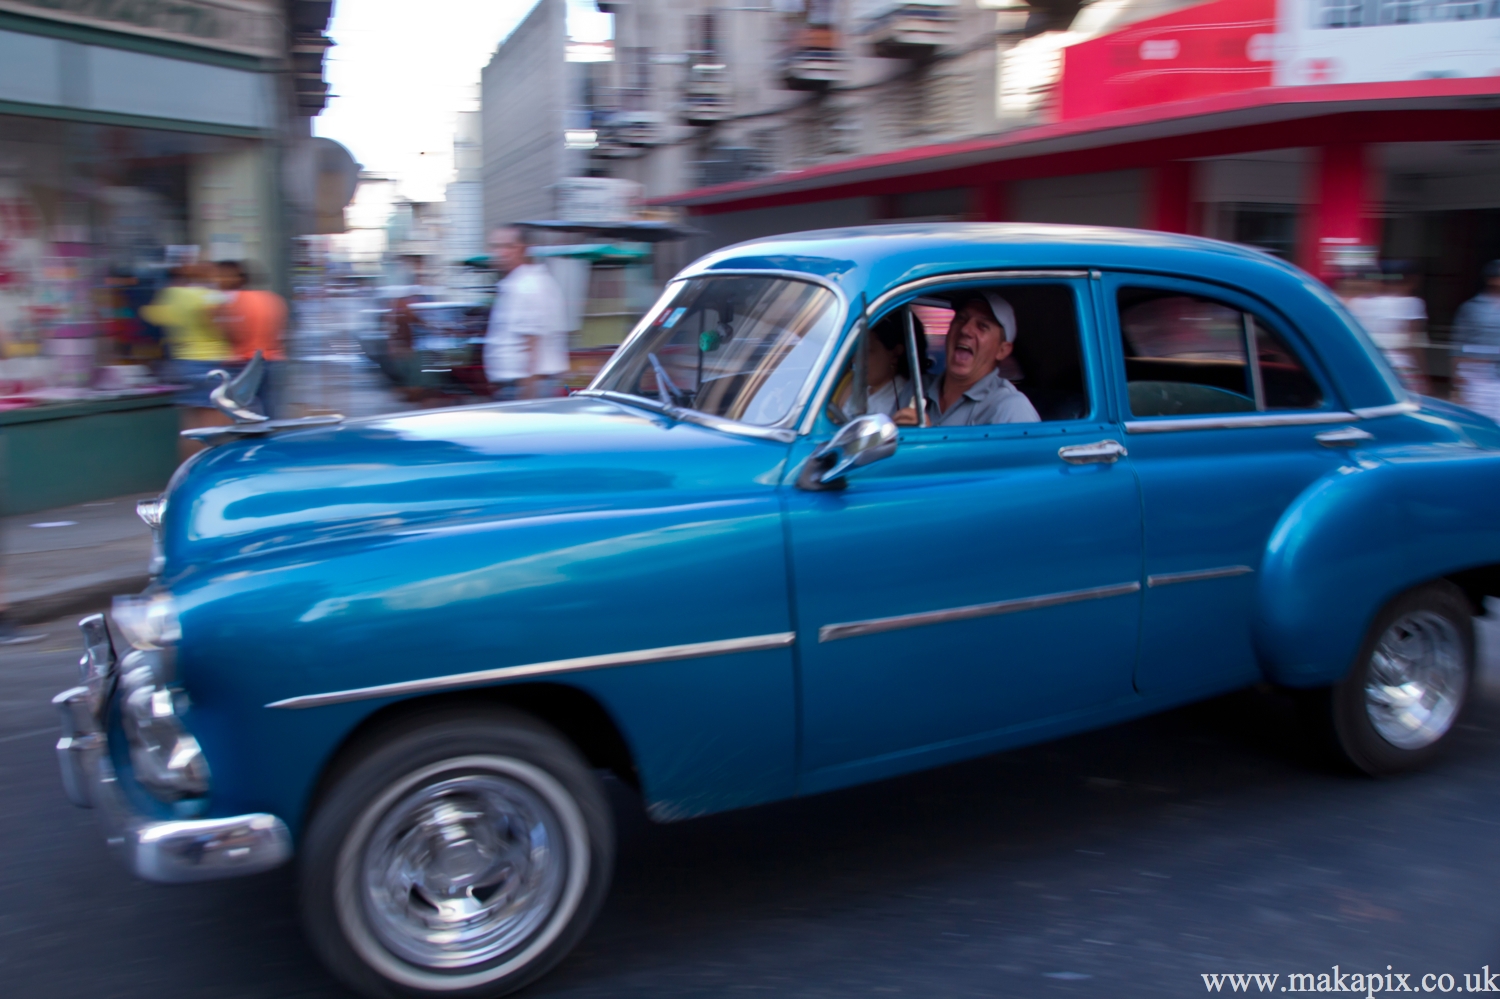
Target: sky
{"x":400,"y":72}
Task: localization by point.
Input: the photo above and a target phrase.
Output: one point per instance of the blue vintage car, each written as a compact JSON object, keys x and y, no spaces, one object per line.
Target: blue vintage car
{"x":846,"y":505}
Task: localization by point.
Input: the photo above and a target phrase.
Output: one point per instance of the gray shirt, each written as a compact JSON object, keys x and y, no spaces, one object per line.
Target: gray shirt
{"x":1478,"y":320}
{"x":992,"y":399}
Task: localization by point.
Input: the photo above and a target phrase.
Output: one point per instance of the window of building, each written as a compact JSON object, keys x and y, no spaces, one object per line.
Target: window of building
{"x":1272,"y":228}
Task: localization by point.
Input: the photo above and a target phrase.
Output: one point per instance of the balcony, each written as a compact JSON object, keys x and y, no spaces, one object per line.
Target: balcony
{"x":637,"y":129}
{"x":911,"y":30}
{"x":706,"y":96}
{"x":812,"y":59}
{"x":627,"y":134}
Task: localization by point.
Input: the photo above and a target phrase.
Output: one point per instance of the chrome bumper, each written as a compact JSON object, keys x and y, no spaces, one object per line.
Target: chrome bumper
{"x":172,"y":851}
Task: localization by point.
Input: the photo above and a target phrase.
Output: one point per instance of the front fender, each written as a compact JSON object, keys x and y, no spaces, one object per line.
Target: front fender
{"x":1378,"y":526}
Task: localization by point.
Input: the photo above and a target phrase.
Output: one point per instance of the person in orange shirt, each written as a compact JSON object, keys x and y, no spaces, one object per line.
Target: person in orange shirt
{"x":254,"y":319}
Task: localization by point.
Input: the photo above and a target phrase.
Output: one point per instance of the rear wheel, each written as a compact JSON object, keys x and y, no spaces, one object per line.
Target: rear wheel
{"x":1411,"y":682}
{"x":464,"y":856}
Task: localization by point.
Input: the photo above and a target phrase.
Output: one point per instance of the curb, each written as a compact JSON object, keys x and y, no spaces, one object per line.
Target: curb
{"x":79,"y":595}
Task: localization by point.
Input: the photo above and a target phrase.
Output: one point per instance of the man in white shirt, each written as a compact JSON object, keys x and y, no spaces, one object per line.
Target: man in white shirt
{"x":526,"y":348}
{"x":1396,"y":320}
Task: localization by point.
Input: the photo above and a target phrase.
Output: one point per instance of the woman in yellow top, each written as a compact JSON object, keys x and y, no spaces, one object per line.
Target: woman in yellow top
{"x":185,"y":310}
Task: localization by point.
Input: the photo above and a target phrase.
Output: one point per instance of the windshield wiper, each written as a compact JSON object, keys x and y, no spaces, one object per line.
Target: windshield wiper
{"x":667,"y":389}
{"x":632,"y":399}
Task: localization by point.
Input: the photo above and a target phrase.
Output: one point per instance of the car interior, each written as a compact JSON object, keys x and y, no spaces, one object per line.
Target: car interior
{"x":1186,"y":355}
{"x":1046,"y":364}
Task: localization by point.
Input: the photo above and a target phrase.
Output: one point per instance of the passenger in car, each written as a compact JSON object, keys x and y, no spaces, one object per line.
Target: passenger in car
{"x":887,"y":371}
{"x":971,"y":392}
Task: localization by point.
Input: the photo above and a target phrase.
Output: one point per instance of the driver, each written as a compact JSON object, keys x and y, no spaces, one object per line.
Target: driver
{"x":970,"y":391}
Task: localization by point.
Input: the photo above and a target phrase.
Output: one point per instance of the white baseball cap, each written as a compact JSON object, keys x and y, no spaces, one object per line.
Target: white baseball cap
{"x":1004,"y":314}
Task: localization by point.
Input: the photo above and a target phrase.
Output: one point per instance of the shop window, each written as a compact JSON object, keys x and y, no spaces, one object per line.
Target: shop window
{"x":1272,"y":228}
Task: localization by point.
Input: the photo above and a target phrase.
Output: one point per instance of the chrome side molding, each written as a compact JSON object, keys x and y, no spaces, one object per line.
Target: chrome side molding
{"x":1193,"y":576}
{"x":1230,"y":421}
{"x":453,"y":681}
{"x":1391,"y":409}
{"x":853,"y":629}
{"x":1343,"y":437}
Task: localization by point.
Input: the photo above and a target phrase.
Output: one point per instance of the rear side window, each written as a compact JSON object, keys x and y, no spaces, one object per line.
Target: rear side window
{"x":1189,"y":355}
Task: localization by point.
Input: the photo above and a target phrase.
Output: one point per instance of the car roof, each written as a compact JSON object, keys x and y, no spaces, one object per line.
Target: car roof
{"x":877,"y":255}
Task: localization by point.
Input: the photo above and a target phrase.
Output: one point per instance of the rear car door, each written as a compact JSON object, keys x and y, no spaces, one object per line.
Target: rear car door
{"x":1223,"y":406}
{"x":975,"y":582}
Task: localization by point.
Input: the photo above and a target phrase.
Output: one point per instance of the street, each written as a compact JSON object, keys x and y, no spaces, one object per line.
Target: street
{"x":1131,"y":861}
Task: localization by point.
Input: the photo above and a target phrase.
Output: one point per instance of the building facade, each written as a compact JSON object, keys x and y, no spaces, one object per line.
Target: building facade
{"x":135,"y":137}
{"x":1343,"y":137}
{"x":1338,"y":135}
{"x":681,"y":95}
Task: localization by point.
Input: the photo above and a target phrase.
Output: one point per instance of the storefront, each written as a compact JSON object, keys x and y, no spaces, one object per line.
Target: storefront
{"x":126,"y":151}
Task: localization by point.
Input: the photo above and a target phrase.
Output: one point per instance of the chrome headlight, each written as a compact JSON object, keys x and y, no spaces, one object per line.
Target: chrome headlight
{"x":167,"y":760}
{"x":96,"y":670}
{"x":151,"y":512}
{"x":148,"y":621}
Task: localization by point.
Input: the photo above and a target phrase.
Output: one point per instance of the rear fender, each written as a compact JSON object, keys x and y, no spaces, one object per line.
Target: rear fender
{"x":1376,"y":527}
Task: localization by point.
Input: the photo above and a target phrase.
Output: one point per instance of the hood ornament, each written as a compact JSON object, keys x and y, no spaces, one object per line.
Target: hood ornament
{"x":235,"y":395}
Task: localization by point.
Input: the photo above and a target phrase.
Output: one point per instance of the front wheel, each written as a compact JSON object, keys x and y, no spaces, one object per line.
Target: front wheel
{"x":463,"y":856}
{"x":1410,"y":684}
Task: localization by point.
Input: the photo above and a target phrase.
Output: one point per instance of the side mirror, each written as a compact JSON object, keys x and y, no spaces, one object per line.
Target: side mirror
{"x":861,"y":441}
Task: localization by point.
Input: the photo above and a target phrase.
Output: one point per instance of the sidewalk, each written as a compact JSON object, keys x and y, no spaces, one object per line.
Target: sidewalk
{"x":98,"y":550}
{"x":73,"y":559}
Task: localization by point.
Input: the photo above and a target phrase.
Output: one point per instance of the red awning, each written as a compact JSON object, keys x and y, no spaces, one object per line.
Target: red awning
{"x":1218,"y":125}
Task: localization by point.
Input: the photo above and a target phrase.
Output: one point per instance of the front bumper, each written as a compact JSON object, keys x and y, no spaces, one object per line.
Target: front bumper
{"x":172,"y":851}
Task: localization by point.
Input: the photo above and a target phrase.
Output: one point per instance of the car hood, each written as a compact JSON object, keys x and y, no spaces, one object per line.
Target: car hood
{"x":363,"y":479}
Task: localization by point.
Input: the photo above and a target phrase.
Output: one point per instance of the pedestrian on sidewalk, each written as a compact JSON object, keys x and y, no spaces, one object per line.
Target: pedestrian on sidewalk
{"x":1477,"y":328}
{"x":254,"y":319}
{"x":1396,"y":320}
{"x":526,"y":348}
{"x":186,"y":310}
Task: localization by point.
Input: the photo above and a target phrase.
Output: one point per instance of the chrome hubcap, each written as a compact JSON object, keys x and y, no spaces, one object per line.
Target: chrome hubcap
{"x":463,"y":871}
{"x":1417,"y":680}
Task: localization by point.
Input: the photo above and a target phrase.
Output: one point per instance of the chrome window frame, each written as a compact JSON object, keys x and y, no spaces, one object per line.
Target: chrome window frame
{"x":1172,"y":424}
{"x":826,"y":384}
{"x":784,"y":430}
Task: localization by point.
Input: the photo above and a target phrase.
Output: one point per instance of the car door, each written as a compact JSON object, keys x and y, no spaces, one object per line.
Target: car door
{"x":975,"y":582}
{"x":1223,"y":407}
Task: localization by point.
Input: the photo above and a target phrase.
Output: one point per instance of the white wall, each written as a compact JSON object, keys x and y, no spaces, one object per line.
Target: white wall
{"x":524,"y":95}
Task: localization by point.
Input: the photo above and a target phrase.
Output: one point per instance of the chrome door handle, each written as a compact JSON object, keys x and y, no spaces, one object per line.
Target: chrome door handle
{"x":1099,"y":452}
{"x":1343,"y":437}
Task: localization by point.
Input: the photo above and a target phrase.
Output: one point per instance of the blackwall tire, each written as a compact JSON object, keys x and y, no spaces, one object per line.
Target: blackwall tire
{"x":462,"y":854}
{"x":1410,"y":685}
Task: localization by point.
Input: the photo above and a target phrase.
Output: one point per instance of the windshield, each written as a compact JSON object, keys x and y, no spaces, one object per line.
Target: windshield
{"x":736,"y":347}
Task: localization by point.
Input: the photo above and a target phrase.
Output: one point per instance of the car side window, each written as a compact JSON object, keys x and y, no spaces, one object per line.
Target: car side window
{"x":987,"y":355}
{"x":1190,"y":355}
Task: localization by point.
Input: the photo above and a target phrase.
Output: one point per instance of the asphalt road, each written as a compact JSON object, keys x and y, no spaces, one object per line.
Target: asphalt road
{"x":1125,"y":862}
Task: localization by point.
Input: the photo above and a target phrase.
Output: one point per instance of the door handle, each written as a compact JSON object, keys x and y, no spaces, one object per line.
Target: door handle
{"x":1343,"y":437}
{"x":1099,"y":452}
